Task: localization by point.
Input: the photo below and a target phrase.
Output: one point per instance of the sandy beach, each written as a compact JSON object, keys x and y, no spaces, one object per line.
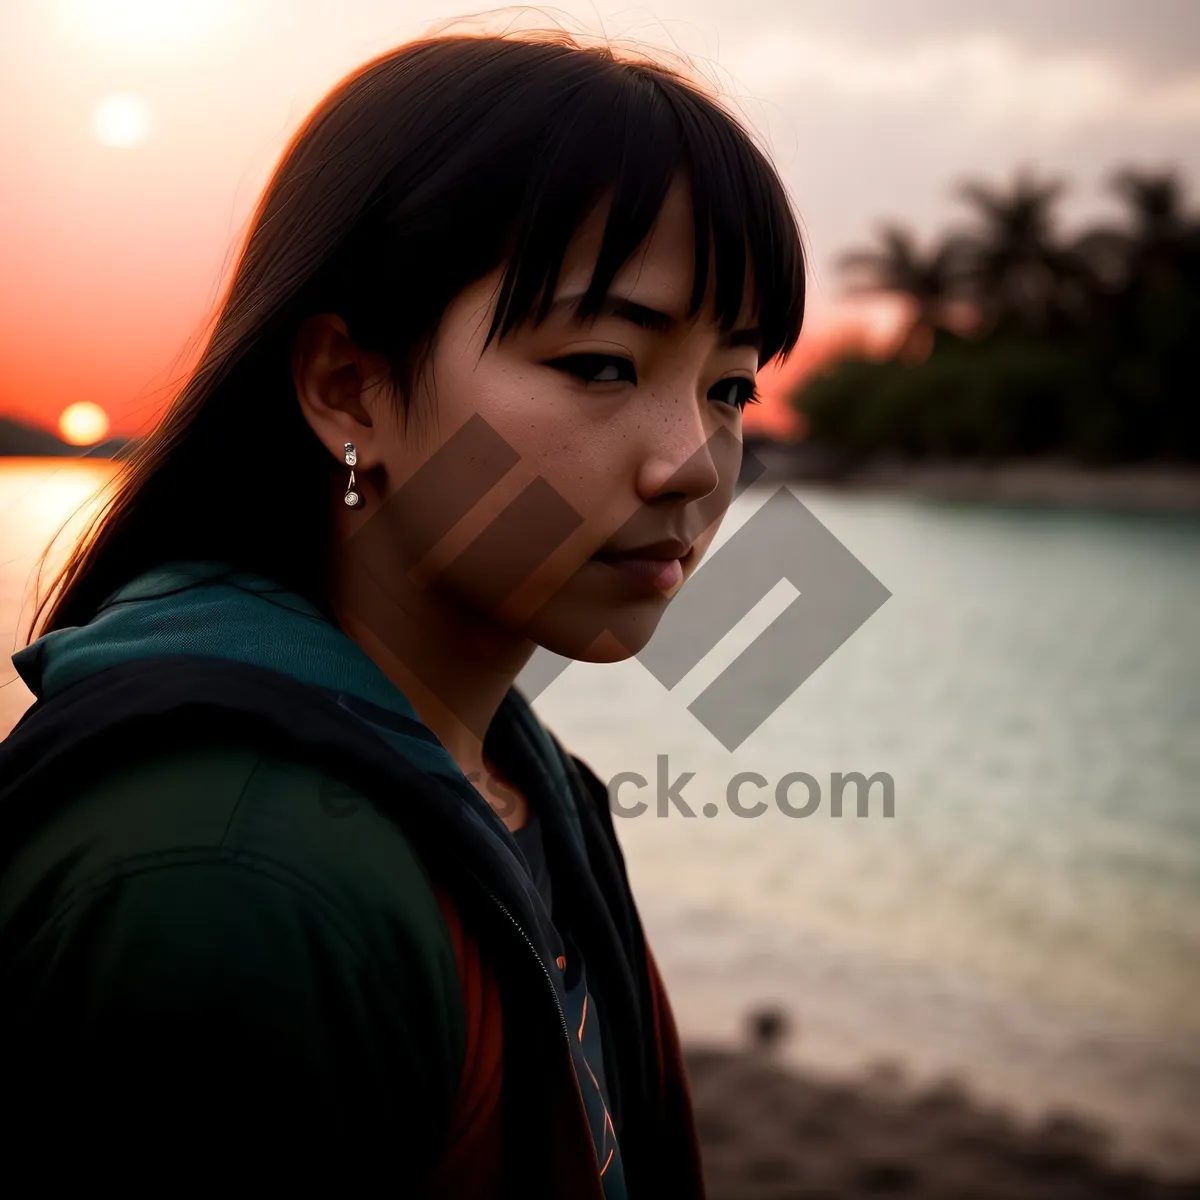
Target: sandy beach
{"x":770,"y":1133}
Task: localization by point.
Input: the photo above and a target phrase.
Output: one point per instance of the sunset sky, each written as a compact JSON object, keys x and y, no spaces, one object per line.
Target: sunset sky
{"x":135,"y":136}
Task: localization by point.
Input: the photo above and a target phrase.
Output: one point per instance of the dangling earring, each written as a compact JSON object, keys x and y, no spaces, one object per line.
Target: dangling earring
{"x":352,"y":498}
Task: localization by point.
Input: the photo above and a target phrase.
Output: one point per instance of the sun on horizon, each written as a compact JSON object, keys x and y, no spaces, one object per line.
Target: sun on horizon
{"x":83,"y":424}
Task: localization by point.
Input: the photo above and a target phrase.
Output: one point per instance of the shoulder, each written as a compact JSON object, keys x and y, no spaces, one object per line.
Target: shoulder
{"x":221,"y":802}
{"x":218,"y":925}
{"x":212,"y":848}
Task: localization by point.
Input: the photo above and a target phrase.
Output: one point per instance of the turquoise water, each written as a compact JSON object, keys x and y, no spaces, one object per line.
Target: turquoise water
{"x":1029,"y":918}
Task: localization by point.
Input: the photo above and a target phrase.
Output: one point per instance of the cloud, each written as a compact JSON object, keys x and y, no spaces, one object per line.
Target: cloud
{"x":979,"y":79}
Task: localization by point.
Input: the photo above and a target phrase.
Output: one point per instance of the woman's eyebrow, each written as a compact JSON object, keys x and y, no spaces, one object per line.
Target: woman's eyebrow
{"x":645,"y":317}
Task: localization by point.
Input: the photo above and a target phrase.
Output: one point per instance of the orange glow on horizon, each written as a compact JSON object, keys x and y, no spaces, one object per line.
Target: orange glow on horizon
{"x":872,"y":329}
{"x":117,"y":379}
{"x":133,"y":199}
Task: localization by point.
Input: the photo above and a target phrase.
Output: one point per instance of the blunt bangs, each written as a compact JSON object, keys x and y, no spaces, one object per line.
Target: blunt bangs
{"x":499,"y":151}
{"x":627,"y":132}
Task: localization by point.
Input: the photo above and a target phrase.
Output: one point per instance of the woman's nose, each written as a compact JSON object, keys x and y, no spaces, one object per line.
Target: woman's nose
{"x":686,"y":458}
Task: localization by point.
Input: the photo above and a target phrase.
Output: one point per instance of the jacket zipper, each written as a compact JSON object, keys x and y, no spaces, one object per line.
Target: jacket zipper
{"x":562,"y":1017}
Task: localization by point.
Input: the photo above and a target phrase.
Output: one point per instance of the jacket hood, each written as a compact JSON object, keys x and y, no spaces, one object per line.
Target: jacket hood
{"x":211,"y":609}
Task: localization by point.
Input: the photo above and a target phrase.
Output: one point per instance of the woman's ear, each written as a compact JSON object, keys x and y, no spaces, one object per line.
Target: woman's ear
{"x":340,"y":387}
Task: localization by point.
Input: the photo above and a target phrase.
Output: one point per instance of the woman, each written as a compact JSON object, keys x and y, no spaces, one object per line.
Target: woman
{"x":292,"y":880}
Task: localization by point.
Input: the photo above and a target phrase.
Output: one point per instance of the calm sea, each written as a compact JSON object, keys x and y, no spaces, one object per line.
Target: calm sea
{"x":1029,"y":917}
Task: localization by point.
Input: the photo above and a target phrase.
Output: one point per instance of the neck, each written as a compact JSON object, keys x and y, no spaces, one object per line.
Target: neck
{"x":453,"y":668}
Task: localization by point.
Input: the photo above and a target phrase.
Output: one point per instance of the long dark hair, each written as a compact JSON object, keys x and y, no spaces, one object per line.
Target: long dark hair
{"x":420,"y":173}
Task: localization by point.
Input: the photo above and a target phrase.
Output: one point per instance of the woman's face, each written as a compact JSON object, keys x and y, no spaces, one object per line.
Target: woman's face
{"x":526,"y":472}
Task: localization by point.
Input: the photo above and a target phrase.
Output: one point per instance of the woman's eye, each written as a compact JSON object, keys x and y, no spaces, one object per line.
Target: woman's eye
{"x":739,"y":392}
{"x":608,"y":368}
{"x":596,"y":368}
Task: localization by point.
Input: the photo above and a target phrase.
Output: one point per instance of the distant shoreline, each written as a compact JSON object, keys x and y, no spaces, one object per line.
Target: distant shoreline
{"x":1140,"y":487}
{"x":1048,"y":483}
{"x":19,"y":439}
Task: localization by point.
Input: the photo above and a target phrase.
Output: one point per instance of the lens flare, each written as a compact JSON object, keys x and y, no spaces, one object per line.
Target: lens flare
{"x":121,"y":121}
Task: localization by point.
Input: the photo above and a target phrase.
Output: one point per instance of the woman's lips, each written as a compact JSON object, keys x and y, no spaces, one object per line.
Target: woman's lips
{"x":664,"y":573}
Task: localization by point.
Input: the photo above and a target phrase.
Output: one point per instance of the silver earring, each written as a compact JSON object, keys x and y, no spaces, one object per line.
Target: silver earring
{"x":352,"y":498}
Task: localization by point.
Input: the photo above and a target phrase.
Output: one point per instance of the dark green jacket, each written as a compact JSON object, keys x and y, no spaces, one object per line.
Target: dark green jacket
{"x":226,"y":844}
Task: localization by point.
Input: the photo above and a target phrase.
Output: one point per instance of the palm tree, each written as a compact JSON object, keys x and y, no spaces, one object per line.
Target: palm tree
{"x":1159,"y":231}
{"x":1017,"y":264}
{"x":1165,"y":238}
{"x":930,"y":280}
{"x":1155,"y":201}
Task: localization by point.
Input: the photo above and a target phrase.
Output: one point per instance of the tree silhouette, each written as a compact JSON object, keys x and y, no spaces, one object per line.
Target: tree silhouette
{"x":930,"y":280}
{"x":1086,"y":346}
{"x":1018,"y":263}
{"x":1155,"y":201}
{"x":1160,"y":236}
